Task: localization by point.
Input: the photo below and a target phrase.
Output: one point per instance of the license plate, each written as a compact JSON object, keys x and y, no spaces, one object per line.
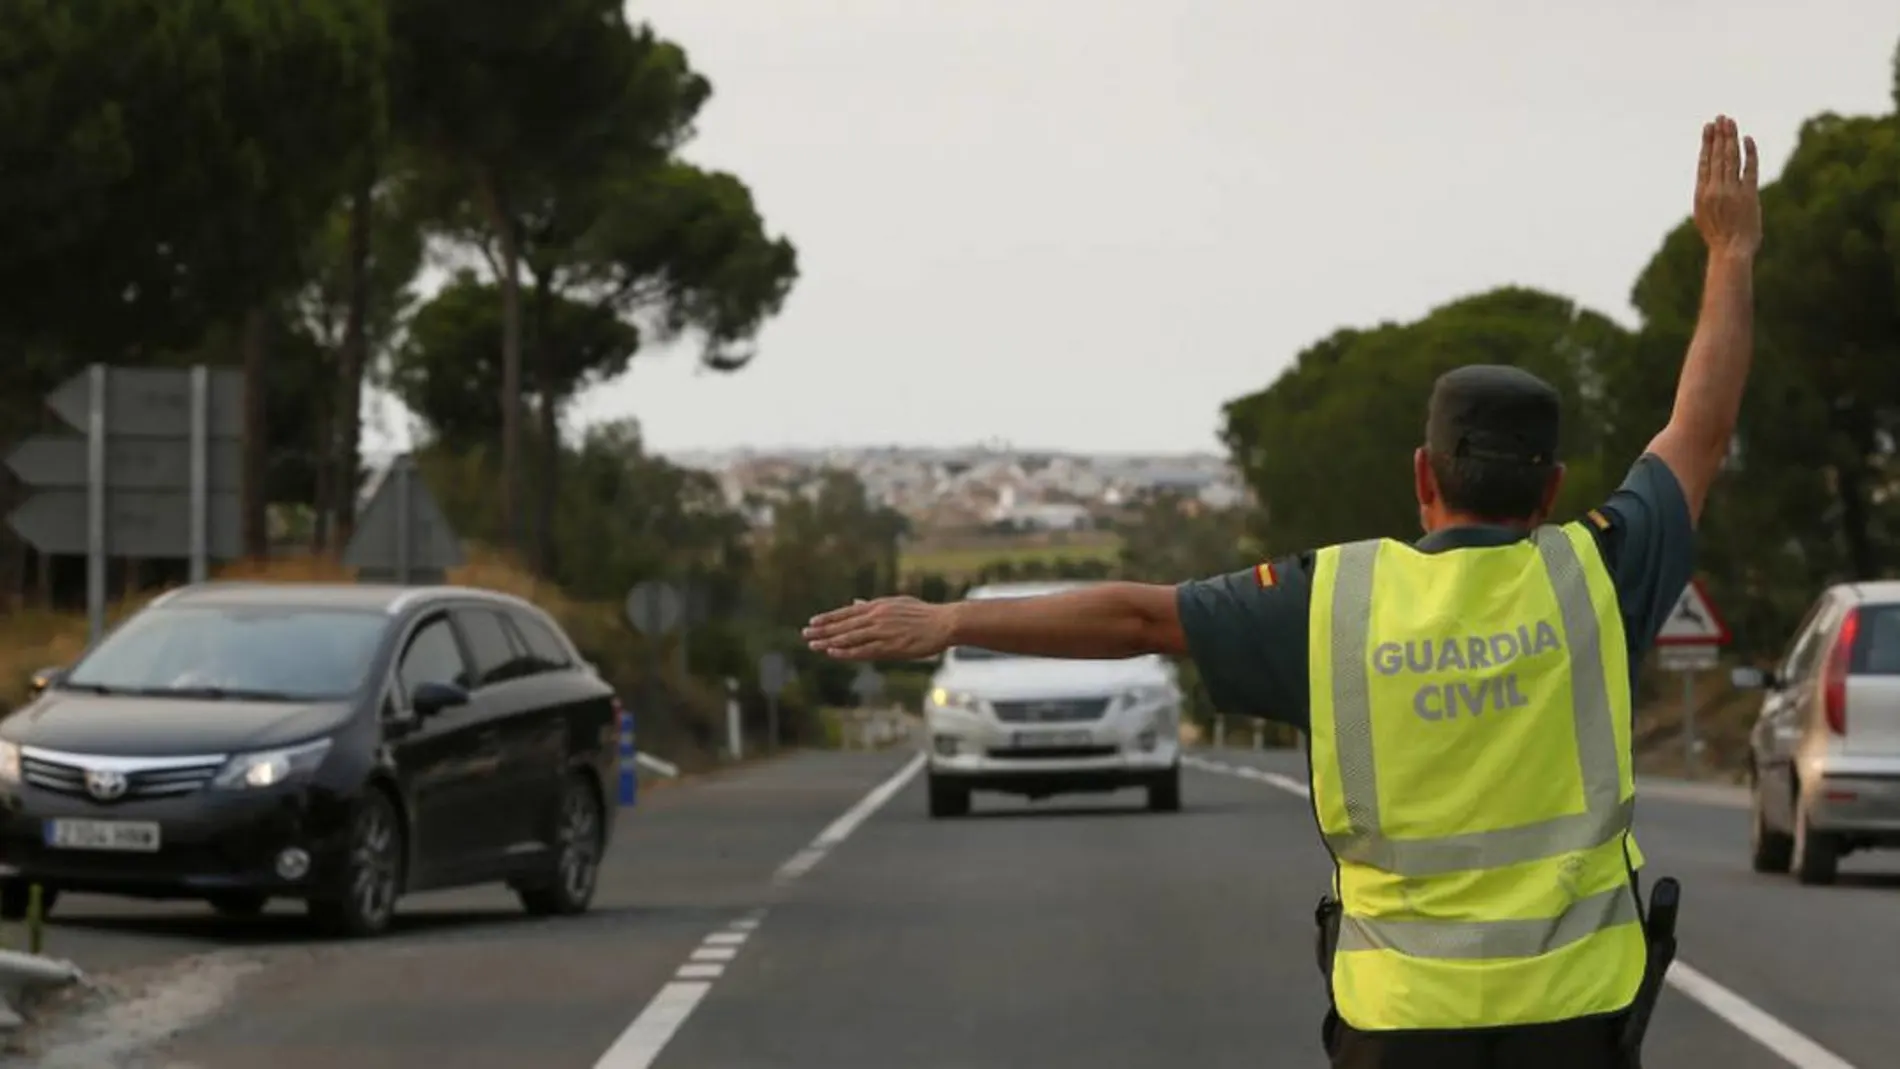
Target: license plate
{"x":1049,"y":740}
{"x":134,"y":836}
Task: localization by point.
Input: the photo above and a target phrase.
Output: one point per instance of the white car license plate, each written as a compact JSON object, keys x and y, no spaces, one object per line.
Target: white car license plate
{"x":135,"y":836}
{"x":1051,"y":740}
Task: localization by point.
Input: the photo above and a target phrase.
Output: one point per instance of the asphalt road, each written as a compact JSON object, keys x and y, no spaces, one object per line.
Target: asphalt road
{"x":779,"y":917}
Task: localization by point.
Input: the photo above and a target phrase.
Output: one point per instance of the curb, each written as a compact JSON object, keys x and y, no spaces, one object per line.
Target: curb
{"x":22,"y":973}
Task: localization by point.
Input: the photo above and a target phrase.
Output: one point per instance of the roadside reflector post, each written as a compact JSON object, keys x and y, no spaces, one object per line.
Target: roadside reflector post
{"x":629,"y":759}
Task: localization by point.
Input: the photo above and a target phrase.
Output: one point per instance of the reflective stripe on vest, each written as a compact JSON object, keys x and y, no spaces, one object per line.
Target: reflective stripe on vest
{"x":1454,"y":916}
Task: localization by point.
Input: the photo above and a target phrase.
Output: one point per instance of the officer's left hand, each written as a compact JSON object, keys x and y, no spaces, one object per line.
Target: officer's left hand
{"x":888,"y":629}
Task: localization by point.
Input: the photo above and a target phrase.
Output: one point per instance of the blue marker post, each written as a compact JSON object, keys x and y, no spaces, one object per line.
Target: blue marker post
{"x":629,"y":756}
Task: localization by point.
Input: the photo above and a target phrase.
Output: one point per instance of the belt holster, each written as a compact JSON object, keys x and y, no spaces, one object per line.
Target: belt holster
{"x":1659,"y":933}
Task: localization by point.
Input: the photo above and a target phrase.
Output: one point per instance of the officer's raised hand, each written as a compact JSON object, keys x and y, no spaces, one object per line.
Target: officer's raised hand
{"x":1727,"y":202}
{"x":888,"y":629}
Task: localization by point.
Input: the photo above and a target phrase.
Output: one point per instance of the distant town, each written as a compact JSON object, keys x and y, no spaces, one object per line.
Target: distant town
{"x":944,"y":489}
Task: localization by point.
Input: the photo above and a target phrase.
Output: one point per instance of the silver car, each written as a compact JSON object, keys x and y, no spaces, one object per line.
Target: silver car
{"x":1038,"y":727}
{"x":1825,"y":750}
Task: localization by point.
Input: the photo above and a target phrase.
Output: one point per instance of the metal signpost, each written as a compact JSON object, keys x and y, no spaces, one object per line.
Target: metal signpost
{"x":1691,"y":641}
{"x":402,"y":535}
{"x":654,"y":609}
{"x":156,"y":475}
{"x":735,"y":734}
{"x":774,"y":672}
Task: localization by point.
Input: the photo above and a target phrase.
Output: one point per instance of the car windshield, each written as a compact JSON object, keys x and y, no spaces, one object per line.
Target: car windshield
{"x":237,"y":652}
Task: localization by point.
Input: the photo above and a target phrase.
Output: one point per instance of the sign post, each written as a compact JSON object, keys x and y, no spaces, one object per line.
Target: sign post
{"x":1691,"y":641}
{"x":654,"y":609}
{"x":154,"y":474}
{"x":774,"y":672}
{"x":735,"y":736}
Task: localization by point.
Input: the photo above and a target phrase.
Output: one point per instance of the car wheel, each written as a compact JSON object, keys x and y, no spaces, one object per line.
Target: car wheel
{"x":239,"y":903}
{"x":16,"y":898}
{"x":1164,"y":794}
{"x":948,"y":799}
{"x":580,"y":839}
{"x":363,"y":901}
{"x":1816,"y":855}
{"x":1770,"y":850}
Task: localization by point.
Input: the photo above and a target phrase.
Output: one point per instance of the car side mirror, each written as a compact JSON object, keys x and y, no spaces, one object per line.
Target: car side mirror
{"x":428,"y":699}
{"x":40,"y":681}
{"x":1751,"y":679}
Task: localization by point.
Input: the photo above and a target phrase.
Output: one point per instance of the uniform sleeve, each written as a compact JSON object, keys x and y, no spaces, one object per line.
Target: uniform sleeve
{"x":1648,"y":542}
{"x":1246,"y":632}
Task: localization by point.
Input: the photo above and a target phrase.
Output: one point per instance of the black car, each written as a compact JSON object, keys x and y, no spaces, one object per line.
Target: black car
{"x":343,"y":745}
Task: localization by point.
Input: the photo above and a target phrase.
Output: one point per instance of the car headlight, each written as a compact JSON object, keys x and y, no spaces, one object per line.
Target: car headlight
{"x":1135,"y":697}
{"x":268,"y":768}
{"x":9,"y":762}
{"x":955,"y":699}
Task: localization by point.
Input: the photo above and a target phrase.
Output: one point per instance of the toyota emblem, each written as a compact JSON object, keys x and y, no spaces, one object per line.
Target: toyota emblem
{"x":105,"y":784}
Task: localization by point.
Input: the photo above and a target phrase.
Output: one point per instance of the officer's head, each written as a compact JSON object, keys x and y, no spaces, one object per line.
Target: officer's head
{"x":1490,"y":453}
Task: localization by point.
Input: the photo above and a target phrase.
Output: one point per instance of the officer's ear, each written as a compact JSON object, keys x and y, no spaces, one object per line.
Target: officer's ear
{"x":1424,"y":483}
{"x":1553,"y":485}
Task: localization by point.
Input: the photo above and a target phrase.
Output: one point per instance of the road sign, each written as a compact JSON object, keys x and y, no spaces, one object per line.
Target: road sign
{"x":1683,"y":657}
{"x":154,"y":475}
{"x":655,"y":607}
{"x":154,"y":402}
{"x":774,"y":672}
{"x":1693,"y":621}
{"x":868,"y":685}
{"x":402,"y":535}
{"x":59,"y":461}
{"x":139,"y":524}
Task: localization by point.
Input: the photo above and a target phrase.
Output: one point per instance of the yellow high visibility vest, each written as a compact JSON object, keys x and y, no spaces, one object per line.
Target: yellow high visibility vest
{"x":1472,"y":776}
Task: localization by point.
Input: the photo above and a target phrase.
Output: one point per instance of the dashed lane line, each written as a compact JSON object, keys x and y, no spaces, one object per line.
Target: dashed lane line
{"x":640,"y":1045}
{"x":1751,"y":1020}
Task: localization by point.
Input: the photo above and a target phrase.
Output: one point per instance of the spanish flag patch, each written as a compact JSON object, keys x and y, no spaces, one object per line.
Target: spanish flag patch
{"x":1597,"y":517}
{"x":1263,"y":574}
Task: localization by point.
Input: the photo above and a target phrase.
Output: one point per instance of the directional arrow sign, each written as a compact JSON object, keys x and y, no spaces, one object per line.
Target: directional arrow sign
{"x":59,"y":462}
{"x":154,"y":402}
{"x":143,"y":525}
{"x":1693,"y":621}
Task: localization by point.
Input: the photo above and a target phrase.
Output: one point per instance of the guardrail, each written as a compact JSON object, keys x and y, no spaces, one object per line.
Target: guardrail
{"x":1239,"y":732}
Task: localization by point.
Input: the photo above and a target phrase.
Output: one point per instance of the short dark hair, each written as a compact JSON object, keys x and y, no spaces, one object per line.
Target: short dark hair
{"x":1499,"y":490}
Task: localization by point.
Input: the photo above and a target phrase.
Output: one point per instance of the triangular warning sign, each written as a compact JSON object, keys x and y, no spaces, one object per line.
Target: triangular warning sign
{"x":401,"y":532}
{"x":1693,"y":621}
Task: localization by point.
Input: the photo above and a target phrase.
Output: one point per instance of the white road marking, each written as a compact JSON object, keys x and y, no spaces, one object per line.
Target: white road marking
{"x":640,"y":1045}
{"x":1744,"y":1016}
{"x":1752,"y":1021}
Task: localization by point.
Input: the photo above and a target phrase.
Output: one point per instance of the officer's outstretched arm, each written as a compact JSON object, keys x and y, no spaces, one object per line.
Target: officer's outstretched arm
{"x":1709,"y":394}
{"x":1103,"y":620}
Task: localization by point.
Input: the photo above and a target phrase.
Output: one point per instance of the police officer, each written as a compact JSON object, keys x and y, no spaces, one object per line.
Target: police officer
{"x":1466,"y":698}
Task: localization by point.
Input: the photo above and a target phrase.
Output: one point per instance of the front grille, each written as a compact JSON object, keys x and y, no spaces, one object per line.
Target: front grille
{"x":1053,"y":753}
{"x":1062,"y":711}
{"x":163,"y":782}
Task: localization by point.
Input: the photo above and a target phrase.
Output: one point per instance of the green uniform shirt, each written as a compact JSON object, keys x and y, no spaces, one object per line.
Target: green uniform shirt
{"x":1249,"y":640}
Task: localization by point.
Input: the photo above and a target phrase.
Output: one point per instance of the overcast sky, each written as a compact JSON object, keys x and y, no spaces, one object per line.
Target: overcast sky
{"x":1087,"y":223}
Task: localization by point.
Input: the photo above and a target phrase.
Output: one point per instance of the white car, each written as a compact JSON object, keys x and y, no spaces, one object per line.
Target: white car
{"x":1040,"y":727}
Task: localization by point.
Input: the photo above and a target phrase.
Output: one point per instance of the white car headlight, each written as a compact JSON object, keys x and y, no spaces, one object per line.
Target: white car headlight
{"x":9,"y":762}
{"x":954,"y":699}
{"x":268,"y":768}
{"x":1135,"y":697}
